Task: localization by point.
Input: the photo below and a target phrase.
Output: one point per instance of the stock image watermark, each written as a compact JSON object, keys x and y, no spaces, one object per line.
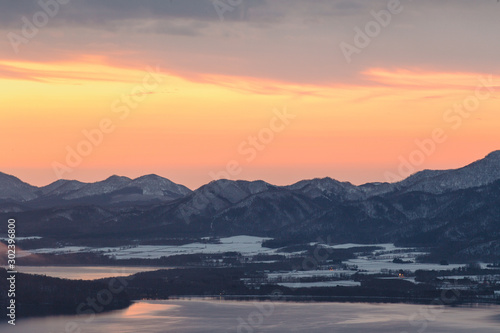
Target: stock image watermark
{"x":248,"y":150}
{"x":224,"y":6}
{"x":30,"y":27}
{"x":94,"y":137}
{"x":95,"y":304}
{"x":426,"y":314}
{"x":454,"y":117}
{"x":11,"y":271}
{"x":256,"y":318}
{"x":371,"y":30}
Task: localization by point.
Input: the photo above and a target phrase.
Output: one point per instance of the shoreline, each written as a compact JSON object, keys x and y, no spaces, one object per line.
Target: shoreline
{"x":327,"y":299}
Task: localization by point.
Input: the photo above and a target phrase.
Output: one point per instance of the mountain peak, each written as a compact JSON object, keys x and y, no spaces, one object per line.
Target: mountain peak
{"x":478,"y":173}
{"x":494,"y":155}
{"x":156,"y":185}
{"x":116,"y":178}
{"x":13,"y":188}
{"x":151,"y":176}
{"x":233,"y":190}
{"x":61,"y":186}
{"x":223,"y":183}
{"x":5,"y":176}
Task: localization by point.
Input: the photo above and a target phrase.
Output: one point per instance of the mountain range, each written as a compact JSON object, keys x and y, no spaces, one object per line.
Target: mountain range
{"x":455,"y":212}
{"x":113,"y":190}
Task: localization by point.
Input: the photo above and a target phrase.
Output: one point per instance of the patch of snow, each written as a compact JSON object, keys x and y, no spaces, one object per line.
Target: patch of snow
{"x":385,"y":246}
{"x":343,"y":283}
{"x":62,"y":250}
{"x":21,"y":238}
{"x":246,"y":245}
{"x":376,"y":265}
{"x":307,"y":274}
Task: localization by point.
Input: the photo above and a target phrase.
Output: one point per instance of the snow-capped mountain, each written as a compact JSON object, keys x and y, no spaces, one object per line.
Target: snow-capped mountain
{"x":214,"y":197}
{"x":326,"y":187}
{"x":13,"y":189}
{"x":115,"y":189}
{"x":457,"y":208}
{"x":482,"y":172}
{"x":221,"y":194}
{"x":479,"y":173}
{"x":61,"y":186}
{"x":158,"y":186}
{"x":106,"y":186}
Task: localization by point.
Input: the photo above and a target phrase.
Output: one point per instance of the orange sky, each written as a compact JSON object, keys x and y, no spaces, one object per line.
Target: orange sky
{"x":190,"y":128}
{"x":192,"y":125}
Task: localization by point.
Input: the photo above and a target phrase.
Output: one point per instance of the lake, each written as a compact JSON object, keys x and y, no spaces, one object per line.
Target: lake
{"x":85,"y":272}
{"x":201,"y":316}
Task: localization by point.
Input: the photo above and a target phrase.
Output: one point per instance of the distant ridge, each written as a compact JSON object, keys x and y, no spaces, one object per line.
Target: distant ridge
{"x":113,"y":190}
{"x":116,"y":189}
{"x":15,"y":189}
{"x":455,"y":211}
{"x":481,"y":172}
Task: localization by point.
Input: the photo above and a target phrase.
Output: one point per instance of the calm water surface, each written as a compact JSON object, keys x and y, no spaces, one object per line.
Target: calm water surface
{"x":84,"y":272}
{"x":187,"y":316}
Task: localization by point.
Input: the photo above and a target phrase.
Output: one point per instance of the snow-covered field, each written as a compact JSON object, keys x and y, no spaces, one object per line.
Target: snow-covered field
{"x":385,"y":246}
{"x":476,"y":278}
{"x":343,"y":283}
{"x":411,"y":279}
{"x":250,"y":246}
{"x":63,"y":250}
{"x":376,"y":265}
{"x":307,"y":274}
{"x":246,"y":245}
{"x":21,"y":238}
{"x":382,"y":259}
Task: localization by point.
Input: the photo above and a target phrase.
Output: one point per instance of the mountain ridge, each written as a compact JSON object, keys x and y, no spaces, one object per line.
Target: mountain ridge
{"x":477,"y":173}
{"x":114,"y":189}
{"x":447,"y":208}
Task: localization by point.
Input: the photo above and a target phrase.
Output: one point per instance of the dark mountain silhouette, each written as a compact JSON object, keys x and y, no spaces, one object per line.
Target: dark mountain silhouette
{"x":451,"y":210}
{"x":111,"y":191}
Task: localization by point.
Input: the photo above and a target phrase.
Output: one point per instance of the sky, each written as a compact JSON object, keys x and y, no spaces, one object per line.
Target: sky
{"x":197,"y":90}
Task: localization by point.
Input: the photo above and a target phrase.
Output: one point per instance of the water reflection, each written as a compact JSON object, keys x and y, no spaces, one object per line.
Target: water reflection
{"x":84,"y":272}
{"x":147,"y":309}
{"x":184,"y":316}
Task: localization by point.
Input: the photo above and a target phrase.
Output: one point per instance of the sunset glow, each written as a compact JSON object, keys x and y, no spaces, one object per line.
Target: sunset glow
{"x":350,"y":122}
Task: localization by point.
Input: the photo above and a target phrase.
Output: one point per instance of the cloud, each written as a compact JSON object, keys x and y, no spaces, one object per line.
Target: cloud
{"x":103,"y":14}
{"x":294,"y":41}
{"x":64,"y":72}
